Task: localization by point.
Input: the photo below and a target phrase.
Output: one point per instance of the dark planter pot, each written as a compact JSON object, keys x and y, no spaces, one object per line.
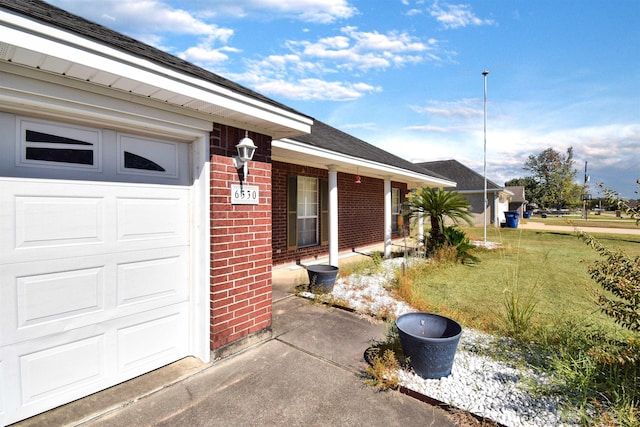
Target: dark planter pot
{"x":430,"y":342}
{"x":322,"y":277}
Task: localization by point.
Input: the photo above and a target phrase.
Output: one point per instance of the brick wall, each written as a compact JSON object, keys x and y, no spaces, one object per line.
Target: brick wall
{"x":240,"y":278}
{"x":360,"y":211}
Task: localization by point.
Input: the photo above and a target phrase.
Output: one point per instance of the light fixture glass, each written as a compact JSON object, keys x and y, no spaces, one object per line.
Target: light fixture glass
{"x":246,"y":148}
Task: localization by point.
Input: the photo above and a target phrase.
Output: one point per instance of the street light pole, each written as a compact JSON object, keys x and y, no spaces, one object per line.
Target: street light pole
{"x":484,"y":74}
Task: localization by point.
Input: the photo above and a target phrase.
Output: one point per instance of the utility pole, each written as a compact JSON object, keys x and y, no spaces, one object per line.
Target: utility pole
{"x":484,"y":74}
{"x":585,"y":192}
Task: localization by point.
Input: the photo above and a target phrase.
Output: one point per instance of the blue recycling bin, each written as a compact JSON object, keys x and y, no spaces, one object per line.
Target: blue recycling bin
{"x":526,"y":215}
{"x":512,"y":219}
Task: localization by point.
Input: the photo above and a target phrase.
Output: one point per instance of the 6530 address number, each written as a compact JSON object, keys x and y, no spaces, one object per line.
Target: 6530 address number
{"x":244,"y":194}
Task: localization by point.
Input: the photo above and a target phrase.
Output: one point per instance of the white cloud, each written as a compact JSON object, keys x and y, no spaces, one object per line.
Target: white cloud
{"x":206,"y":55}
{"x":364,"y":50}
{"x":315,"y":89}
{"x":144,"y":17}
{"x":316,"y":11}
{"x":306,"y":72}
{"x":464,"y":109}
{"x":153,"y":21}
{"x":457,"y":16}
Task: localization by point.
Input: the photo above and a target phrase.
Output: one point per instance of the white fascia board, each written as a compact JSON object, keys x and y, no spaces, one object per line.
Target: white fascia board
{"x":32,"y":35}
{"x":334,"y":157}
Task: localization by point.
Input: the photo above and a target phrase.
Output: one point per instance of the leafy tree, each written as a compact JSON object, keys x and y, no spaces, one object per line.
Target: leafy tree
{"x":438,"y":205}
{"x":554,"y":174}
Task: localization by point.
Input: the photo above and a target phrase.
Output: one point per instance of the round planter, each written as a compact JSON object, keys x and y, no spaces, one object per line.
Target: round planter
{"x":430,"y":342}
{"x":321,"y":278}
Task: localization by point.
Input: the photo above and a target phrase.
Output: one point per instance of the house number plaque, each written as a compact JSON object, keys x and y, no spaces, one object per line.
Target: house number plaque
{"x":244,"y":194}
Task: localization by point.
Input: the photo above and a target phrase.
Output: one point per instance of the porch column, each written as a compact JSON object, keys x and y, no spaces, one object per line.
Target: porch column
{"x":496,"y":209}
{"x":333,"y":215}
{"x":387,"y":217}
{"x":420,"y":228}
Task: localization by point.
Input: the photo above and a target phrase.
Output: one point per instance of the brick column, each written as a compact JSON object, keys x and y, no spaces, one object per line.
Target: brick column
{"x":240,"y":243}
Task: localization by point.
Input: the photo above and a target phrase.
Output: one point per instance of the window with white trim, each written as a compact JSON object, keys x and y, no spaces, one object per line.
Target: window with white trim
{"x":307,"y":212}
{"x":396,"y":209}
{"x":54,"y":145}
{"x":143,"y":156}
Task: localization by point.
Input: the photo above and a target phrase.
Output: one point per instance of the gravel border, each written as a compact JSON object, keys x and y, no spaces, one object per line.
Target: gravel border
{"x":478,"y":384}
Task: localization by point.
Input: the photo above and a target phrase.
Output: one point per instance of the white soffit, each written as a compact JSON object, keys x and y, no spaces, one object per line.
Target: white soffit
{"x":290,"y":151}
{"x":29,"y":43}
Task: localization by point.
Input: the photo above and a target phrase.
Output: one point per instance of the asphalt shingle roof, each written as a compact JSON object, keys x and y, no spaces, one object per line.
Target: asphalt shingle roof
{"x":329,"y":138}
{"x":466,"y":178}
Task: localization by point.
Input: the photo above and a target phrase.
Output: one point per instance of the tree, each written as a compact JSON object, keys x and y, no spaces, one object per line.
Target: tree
{"x":438,"y":204}
{"x":554,"y":174}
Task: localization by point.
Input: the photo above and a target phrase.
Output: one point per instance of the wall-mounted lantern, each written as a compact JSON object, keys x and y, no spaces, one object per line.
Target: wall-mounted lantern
{"x":246,"y":149}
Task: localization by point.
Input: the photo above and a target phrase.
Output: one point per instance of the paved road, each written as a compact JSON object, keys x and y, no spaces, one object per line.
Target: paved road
{"x":543,"y":226}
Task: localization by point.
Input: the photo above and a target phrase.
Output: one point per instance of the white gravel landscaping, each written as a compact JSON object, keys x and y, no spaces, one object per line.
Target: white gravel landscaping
{"x":478,"y":384}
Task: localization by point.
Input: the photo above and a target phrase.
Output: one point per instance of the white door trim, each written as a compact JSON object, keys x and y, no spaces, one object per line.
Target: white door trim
{"x":200,"y":242}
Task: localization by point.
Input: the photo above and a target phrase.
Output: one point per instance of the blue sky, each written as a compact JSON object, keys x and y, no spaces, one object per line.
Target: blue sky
{"x":406,"y":75}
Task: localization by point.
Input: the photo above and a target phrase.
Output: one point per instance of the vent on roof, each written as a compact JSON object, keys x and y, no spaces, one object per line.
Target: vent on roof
{"x":4,"y":51}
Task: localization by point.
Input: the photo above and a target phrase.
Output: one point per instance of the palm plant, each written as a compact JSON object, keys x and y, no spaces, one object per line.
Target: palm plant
{"x":438,"y":205}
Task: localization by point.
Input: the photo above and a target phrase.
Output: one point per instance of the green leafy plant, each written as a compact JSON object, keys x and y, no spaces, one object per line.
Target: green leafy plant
{"x":438,"y":205}
{"x":618,"y":275}
{"x":458,"y":239}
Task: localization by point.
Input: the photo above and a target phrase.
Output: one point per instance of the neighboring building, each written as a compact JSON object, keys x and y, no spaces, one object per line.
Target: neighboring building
{"x":471,"y":185}
{"x":130,"y":237}
{"x":518,"y":202}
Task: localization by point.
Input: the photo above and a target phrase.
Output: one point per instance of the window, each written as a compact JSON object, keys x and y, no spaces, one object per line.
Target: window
{"x":307,"y":212}
{"x":49,"y":144}
{"x":396,"y":209}
{"x":142,"y":156}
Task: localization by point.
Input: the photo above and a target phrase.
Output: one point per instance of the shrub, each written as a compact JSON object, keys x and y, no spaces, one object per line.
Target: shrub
{"x":458,"y":239}
{"x":619,"y":276}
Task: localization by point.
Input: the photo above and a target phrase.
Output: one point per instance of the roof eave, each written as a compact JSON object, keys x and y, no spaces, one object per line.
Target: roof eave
{"x":30,"y":43}
{"x":291,"y":151}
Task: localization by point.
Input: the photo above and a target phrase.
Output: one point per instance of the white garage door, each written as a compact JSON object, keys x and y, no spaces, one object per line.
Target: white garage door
{"x":94,"y":262}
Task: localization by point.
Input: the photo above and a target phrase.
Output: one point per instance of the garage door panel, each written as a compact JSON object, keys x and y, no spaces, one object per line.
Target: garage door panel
{"x":57,"y":221}
{"x":62,"y":367}
{"x":149,"y":280}
{"x":53,"y":296}
{"x":151,"y":218}
{"x":52,"y":371}
{"x":146,"y":343}
{"x":44,"y":219}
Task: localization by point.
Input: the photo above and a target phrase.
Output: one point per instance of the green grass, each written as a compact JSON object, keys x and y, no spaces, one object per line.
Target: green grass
{"x":550,"y":266}
{"x":539,"y":283}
